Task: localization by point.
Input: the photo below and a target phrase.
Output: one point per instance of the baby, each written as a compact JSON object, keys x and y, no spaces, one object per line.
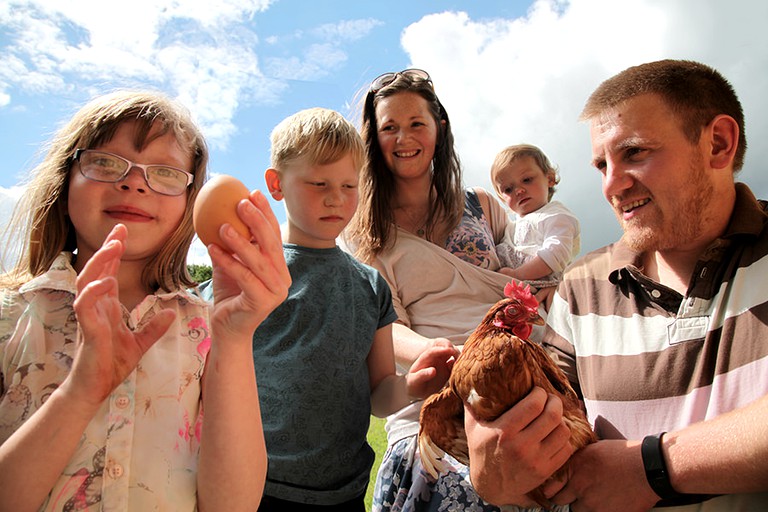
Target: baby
{"x":544,"y":237}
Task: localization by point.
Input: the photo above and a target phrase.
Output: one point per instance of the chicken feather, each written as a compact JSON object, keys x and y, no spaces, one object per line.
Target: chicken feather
{"x":498,"y":366}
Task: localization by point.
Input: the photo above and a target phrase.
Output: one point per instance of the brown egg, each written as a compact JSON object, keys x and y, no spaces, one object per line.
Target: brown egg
{"x":215,"y":205}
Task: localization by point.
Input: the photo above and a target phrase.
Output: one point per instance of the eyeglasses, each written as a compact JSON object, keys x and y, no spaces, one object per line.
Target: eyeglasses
{"x":416,"y":75}
{"x":109,"y":168}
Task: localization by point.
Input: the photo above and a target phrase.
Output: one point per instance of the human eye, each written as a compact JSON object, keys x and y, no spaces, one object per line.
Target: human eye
{"x":599,"y":164}
{"x":635,"y":153}
{"x":106,"y":165}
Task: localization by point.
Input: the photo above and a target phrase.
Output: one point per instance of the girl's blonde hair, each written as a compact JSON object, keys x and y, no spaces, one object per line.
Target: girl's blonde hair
{"x":40,"y":228}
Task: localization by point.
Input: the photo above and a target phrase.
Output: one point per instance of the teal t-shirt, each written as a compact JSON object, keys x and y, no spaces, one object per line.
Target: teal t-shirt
{"x":310,"y":356}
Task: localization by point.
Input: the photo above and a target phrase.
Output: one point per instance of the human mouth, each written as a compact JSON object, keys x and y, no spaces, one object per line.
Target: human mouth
{"x":406,"y":154}
{"x":632,"y":205}
{"x":128,"y":213}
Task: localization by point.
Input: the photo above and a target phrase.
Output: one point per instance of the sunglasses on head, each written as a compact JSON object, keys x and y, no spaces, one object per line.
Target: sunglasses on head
{"x":415,"y":75}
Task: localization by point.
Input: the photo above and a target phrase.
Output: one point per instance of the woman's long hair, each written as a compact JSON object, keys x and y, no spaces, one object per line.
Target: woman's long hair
{"x":372,"y":230}
{"x":40,"y":227}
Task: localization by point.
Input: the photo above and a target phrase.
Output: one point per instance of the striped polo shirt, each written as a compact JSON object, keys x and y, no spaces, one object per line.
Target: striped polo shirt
{"x":647,"y":359}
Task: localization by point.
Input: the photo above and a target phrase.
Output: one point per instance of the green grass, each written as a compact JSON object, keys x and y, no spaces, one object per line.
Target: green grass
{"x":377,"y":438}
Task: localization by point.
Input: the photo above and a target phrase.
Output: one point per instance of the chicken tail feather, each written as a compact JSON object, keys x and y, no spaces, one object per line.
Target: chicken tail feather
{"x":431,"y":456}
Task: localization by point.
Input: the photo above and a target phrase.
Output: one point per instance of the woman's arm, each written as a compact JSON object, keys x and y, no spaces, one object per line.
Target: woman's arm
{"x":408,"y":344}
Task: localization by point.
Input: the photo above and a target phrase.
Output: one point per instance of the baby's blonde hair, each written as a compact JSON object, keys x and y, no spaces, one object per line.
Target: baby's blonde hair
{"x":315,"y":136}
{"x":511,"y":153}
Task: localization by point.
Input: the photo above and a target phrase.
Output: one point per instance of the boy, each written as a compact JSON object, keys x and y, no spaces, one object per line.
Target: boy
{"x":325,"y":358}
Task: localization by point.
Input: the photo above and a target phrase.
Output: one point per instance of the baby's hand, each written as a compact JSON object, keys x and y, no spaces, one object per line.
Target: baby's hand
{"x":431,"y":370}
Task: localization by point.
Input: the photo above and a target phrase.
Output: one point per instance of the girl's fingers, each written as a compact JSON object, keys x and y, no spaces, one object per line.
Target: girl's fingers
{"x":260,"y":200}
{"x":266,"y":229}
{"x":254,"y":274}
{"x":91,"y":293}
{"x":106,"y":260}
{"x":265,"y":256}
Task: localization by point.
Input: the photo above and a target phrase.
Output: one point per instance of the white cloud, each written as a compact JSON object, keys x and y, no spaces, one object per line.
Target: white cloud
{"x":8,"y":199}
{"x":199,"y":51}
{"x":347,"y":30}
{"x":525,"y":80}
{"x":202,"y":52}
{"x":323,"y":53}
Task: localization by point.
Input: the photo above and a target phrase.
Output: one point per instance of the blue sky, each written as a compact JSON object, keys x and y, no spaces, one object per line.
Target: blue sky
{"x":508,"y":71}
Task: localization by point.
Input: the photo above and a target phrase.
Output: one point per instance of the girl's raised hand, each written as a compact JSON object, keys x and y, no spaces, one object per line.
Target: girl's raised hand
{"x":107,"y":350}
{"x":250,"y":283}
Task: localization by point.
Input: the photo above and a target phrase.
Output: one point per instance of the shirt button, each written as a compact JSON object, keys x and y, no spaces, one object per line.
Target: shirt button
{"x":115,"y":471}
{"x":122,"y":401}
{"x":655,"y":294}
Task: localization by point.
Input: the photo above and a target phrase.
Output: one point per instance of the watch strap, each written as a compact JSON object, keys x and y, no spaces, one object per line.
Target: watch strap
{"x":657,"y":474}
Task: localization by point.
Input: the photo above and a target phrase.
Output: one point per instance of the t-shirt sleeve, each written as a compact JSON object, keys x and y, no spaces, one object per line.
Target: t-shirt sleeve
{"x":387,"y":313}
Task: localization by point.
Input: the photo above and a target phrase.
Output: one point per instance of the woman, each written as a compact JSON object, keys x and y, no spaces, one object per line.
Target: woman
{"x":434,"y":243}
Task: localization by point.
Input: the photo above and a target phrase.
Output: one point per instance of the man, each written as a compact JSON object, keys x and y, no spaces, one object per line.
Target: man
{"x":664,"y":332}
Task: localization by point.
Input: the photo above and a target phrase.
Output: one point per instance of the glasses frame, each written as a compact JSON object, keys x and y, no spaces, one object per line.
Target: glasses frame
{"x":383,"y":80}
{"x":80,"y":151}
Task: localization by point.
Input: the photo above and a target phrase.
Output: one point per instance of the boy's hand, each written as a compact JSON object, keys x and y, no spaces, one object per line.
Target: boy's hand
{"x":430,"y":371}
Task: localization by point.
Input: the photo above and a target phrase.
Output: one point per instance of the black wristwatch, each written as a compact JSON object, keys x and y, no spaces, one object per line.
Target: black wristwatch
{"x":658,"y":477}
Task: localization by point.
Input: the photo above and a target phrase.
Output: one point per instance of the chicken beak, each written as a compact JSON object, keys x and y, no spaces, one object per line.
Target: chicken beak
{"x":537,"y":320}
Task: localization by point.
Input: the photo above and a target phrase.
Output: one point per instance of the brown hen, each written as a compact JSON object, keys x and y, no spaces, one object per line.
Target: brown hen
{"x":497,"y":367}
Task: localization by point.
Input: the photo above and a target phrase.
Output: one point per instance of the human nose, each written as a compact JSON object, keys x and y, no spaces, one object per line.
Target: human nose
{"x":334,"y":197}
{"x":134,"y":180}
{"x":616,"y":179}
{"x":403,"y":134}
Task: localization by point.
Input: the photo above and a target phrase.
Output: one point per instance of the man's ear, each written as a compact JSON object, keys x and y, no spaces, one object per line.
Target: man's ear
{"x":273,"y":184}
{"x":723,"y":138}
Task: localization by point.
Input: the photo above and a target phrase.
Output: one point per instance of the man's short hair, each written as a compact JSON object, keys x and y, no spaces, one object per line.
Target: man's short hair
{"x":696,"y":93}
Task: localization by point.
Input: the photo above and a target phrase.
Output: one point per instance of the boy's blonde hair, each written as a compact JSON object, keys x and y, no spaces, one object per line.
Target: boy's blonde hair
{"x":40,"y":228}
{"x":511,"y":153}
{"x":315,"y":136}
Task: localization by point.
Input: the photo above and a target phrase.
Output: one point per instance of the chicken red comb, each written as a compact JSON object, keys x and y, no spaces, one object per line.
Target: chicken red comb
{"x":517,"y":290}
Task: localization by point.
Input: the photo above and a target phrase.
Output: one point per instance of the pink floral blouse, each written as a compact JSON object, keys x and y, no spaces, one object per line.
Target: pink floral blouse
{"x":140,"y":451}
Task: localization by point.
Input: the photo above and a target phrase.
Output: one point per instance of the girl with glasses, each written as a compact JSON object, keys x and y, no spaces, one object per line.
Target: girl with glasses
{"x":107,"y":360}
{"x":433,"y":241}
